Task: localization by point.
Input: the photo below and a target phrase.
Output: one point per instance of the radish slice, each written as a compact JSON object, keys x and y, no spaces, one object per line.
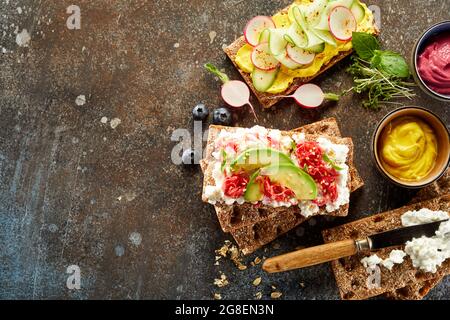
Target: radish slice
{"x":255,"y":27}
{"x":263,"y":59}
{"x":299,"y":55}
{"x":236,"y":94}
{"x":309,"y":96}
{"x":342,"y":23}
{"x":288,"y":62}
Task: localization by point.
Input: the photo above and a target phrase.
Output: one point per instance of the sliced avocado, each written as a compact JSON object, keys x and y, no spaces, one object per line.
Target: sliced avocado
{"x":255,"y":158}
{"x":253,"y":192}
{"x":294,"y":178}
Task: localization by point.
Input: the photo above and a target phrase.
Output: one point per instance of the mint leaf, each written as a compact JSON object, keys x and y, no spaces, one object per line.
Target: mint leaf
{"x":365,"y":45}
{"x":391,"y":64}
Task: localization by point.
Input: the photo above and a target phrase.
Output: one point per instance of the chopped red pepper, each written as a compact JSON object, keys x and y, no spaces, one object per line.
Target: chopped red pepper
{"x":275,"y":191}
{"x":234,"y":185}
{"x":310,"y":157}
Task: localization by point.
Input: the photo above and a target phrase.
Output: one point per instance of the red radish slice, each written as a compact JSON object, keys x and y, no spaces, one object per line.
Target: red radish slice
{"x":342,"y":23}
{"x":236,"y":94}
{"x":254,"y":28}
{"x":309,"y":96}
{"x":299,"y":55}
{"x":263,"y":59}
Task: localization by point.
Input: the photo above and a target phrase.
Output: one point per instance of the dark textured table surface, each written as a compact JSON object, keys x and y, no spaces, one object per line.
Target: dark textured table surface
{"x":75,"y":191}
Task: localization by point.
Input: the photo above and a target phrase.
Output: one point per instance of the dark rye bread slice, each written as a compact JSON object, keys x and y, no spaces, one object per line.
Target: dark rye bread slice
{"x":237,"y":216}
{"x":267,"y":99}
{"x":351,"y":275}
{"x":419,"y":290}
{"x":251,"y":238}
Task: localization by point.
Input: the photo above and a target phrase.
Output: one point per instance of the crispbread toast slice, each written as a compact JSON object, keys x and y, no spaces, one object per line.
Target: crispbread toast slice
{"x":253,"y":237}
{"x":267,"y":99}
{"x":238,"y":216}
{"x":351,"y":275}
{"x":419,"y":290}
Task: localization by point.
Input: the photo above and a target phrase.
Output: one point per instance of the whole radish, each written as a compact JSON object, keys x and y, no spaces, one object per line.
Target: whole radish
{"x":235,"y":93}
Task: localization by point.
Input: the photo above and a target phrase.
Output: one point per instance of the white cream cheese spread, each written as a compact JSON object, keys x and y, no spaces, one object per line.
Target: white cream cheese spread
{"x":426,"y":253}
{"x":233,"y":143}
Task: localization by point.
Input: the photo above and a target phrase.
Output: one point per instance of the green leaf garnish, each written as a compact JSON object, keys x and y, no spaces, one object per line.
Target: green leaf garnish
{"x":365,"y":45}
{"x":214,"y":70}
{"x":331,"y":162}
{"x":224,"y":160}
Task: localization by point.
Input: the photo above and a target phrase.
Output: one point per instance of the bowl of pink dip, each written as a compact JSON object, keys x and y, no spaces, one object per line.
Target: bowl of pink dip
{"x":431,"y":61}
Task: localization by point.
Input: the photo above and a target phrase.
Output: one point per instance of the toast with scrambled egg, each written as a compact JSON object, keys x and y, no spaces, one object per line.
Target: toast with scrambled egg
{"x":288,"y":80}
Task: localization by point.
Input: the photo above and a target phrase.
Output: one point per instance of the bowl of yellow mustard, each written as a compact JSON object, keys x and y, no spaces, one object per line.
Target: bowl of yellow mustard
{"x":411,"y":147}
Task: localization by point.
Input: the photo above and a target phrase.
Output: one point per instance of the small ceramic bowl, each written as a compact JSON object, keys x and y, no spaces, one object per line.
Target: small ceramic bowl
{"x":424,"y":40}
{"x":443,"y":141}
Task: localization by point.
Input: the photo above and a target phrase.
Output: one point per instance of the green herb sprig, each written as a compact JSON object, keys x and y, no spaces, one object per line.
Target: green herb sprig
{"x":381,"y":74}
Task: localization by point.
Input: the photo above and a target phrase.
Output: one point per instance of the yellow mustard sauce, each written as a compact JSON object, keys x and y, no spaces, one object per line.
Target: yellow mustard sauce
{"x":285,"y":76}
{"x":408,"y":148}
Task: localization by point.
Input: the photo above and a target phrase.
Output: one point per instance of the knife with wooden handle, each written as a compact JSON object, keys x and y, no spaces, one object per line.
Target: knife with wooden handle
{"x":345,"y":248}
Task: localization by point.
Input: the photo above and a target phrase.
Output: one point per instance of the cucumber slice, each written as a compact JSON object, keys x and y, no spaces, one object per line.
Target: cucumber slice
{"x":277,"y":42}
{"x":325,"y":36}
{"x":297,"y":35}
{"x":264,"y":37}
{"x":263,"y":80}
{"x":289,"y":39}
{"x":313,"y":11}
{"x":358,"y":11}
{"x":286,"y":61}
{"x":313,"y":40}
{"x":317,"y":48}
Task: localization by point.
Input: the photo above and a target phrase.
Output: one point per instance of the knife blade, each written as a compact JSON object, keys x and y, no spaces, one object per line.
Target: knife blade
{"x":349,"y":247}
{"x":400,"y":236}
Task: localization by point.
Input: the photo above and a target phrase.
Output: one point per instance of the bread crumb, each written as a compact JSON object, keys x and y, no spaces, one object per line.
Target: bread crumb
{"x":257,"y":261}
{"x":232,"y":251}
{"x":258,"y":295}
{"x":274,"y":288}
{"x":104,"y":120}
{"x":23,"y":38}
{"x":80,"y":100}
{"x":115,"y":123}
{"x":257,"y":281}
{"x":222,"y":281}
{"x":276,"y":295}
{"x":176,"y":45}
{"x":212,"y":36}
{"x":302,"y":284}
{"x":217,"y":296}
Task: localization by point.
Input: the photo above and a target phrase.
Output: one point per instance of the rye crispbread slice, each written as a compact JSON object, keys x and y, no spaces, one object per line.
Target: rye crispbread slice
{"x":351,"y":275}
{"x":267,"y":99}
{"x":419,"y":290}
{"x":253,"y":237}
{"x":238,"y":216}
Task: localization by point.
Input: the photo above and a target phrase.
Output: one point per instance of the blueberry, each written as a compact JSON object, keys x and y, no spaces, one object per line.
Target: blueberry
{"x":222,"y":116}
{"x":200,"y":112}
{"x":190,"y":156}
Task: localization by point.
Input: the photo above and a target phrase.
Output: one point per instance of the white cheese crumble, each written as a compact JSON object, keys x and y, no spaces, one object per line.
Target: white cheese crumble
{"x":422,"y":216}
{"x":395,"y":257}
{"x":371,"y":262}
{"x":427,"y":254}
